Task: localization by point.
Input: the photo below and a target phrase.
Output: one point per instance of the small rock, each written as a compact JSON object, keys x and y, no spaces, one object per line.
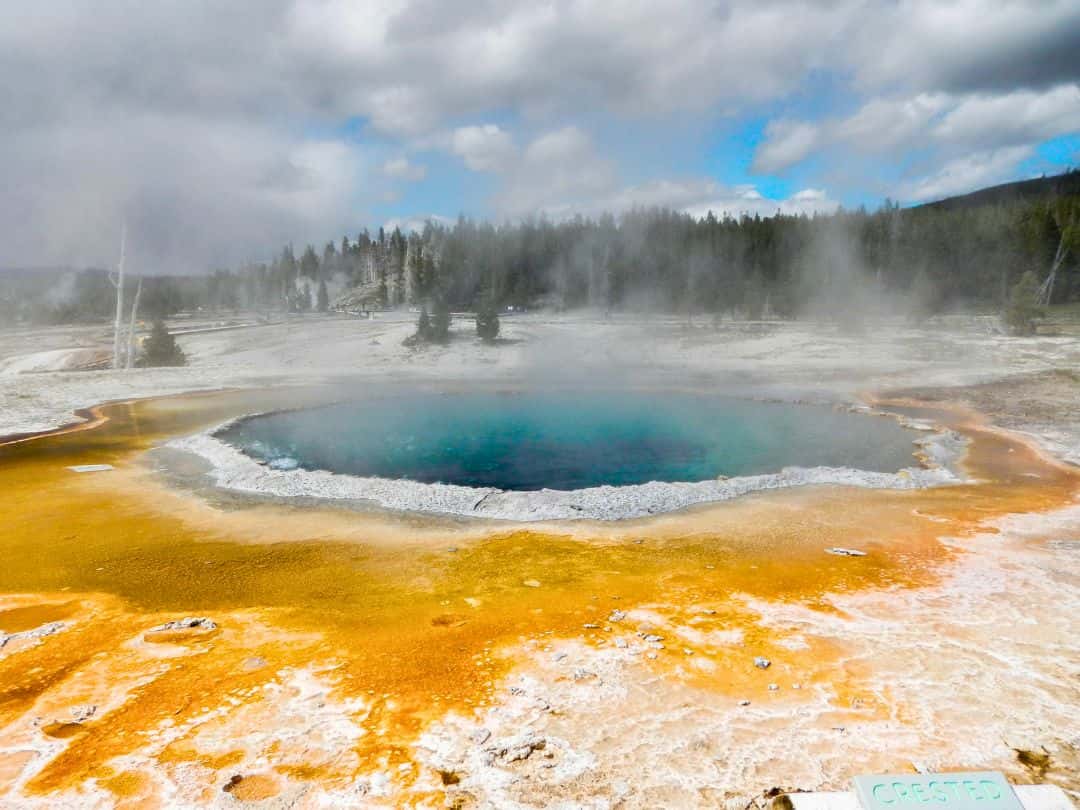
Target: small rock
{"x":652,"y":638}
{"x":80,"y":714}
{"x":617,"y":616}
{"x":651,"y":656}
{"x":591,"y":626}
{"x":773,"y":687}
{"x":796,"y":686}
{"x":531,"y":583}
{"x":687,"y":651}
{"x":518,"y":750}
{"x":845,"y":552}
{"x":37,"y":632}
{"x":452,"y":550}
{"x":762,"y":663}
{"x":744,"y":702}
{"x":187,"y":623}
{"x":518,"y":754}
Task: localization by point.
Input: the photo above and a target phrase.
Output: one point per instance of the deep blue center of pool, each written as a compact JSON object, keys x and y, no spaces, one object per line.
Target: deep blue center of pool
{"x":568,"y":440}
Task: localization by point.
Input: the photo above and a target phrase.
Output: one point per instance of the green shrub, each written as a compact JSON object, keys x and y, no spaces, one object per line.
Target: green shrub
{"x":161,"y":349}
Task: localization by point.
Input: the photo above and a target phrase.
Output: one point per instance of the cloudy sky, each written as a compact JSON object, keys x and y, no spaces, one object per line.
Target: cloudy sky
{"x":220,"y":129}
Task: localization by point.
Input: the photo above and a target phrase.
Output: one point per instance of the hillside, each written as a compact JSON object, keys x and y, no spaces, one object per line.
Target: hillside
{"x":1016,"y":191}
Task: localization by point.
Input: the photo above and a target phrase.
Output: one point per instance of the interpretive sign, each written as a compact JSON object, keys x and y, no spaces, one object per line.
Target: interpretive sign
{"x":973,"y":790}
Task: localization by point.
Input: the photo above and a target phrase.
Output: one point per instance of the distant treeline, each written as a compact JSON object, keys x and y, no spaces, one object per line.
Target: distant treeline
{"x":921,"y":260}
{"x":60,"y":295}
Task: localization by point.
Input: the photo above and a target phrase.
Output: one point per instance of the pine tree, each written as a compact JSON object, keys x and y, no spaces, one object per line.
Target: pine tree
{"x":487,"y":319}
{"x":423,"y":326}
{"x":287,"y":269}
{"x":397,"y":266}
{"x":1023,"y":309}
{"x":416,"y":282}
{"x":160,"y":349}
{"x":309,"y":263}
{"x":440,"y":320}
{"x":383,"y":289}
{"x":323,"y":298}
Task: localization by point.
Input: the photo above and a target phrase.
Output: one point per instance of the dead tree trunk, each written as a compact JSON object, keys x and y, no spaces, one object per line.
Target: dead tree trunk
{"x":1046,"y":291}
{"x":118,"y":282}
{"x":131,"y":327}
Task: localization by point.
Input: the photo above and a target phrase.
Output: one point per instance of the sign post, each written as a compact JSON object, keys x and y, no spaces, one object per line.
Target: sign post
{"x":969,"y":790}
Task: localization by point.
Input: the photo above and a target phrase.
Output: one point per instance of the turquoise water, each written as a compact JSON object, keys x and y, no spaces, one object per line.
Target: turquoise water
{"x":568,"y":440}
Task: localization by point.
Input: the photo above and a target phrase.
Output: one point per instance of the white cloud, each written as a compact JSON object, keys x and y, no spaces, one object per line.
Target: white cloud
{"x":400,"y":168}
{"x":967,"y":173}
{"x":568,"y":143}
{"x":484,"y":148}
{"x":196,"y":120}
{"x":408,"y":68}
{"x":964,"y":45}
{"x":691,"y":196}
{"x":965,"y":136}
{"x":884,"y":124}
{"x":415,"y":224}
{"x":878,"y":126}
{"x":411,"y":67}
{"x":1020,"y":117}
{"x":194,"y":197}
{"x":786,"y":143}
{"x":558,"y":172}
{"x":740,"y":200}
{"x":561,"y":173}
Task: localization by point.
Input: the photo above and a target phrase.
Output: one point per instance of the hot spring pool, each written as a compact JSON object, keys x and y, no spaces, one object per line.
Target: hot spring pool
{"x":568,"y":440}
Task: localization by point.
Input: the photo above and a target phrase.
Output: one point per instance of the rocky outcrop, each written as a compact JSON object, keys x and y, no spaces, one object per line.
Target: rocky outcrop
{"x":36,"y":633}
